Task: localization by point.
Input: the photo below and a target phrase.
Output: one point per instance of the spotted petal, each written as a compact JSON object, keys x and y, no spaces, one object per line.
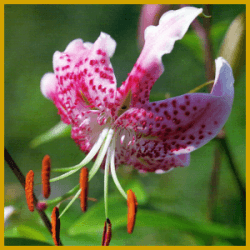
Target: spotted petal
{"x":186,"y":122}
{"x":159,"y":40}
{"x":149,"y":155}
{"x":83,"y":77}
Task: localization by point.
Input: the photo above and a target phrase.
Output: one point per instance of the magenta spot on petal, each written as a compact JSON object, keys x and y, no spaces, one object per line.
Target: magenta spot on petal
{"x":98,"y":52}
{"x":174,"y":103}
{"x":215,"y":122}
{"x":179,"y":129}
{"x":182,"y":107}
{"x":187,"y":102}
{"x":102,"y":61}
{"x":191,"y":137}
{"x":201,"y":137}
{"x":175,"y":112}
{"x":203,"y":126}
{"x":157,"y":109}
{"x":187,"y":113}
{"x":189,"y":142}
{"x":209,"y":133}
{"x":167,"y":115}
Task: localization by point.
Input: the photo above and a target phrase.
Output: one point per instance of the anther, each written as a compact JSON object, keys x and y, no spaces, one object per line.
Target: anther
{"x":46,"y":176}
{"x":132,"y":209}
{"x":55,"y":226}
{"x":29,"y":188}
{"x":107,"y":233}
{"x":84,"y":188}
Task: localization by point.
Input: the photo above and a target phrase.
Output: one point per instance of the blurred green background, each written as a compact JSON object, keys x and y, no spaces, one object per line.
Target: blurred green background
{"x":173,"y":207}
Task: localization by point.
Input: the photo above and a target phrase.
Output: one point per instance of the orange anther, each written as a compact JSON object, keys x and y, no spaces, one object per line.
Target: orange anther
{"x":107,"y":233}
{"x":29,"y":188}
{"x":55,"y":226}
{"x":84,"y":188}
{"x":132,"y":209}
{"x":46,"y":176}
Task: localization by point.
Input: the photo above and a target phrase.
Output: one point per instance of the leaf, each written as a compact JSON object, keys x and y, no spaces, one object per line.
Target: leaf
{"x":23,"y":242}
{"x":59,"y":130}
{"x":93,"y":221}
{"x":28,"y":232}
{"x":233,"y":47}
{"x":165,"y":221}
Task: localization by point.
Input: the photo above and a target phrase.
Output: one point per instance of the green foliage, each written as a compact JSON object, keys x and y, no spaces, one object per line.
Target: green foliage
{"x":173,"y":207}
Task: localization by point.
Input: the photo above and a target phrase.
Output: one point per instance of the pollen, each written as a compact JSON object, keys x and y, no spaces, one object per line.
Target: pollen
{"x":84,"y":188}
{"x":107,"y":233}
{"x":132,"y":209}
{"x":46,"y":166}
{"x":29,"y":188}
{"x":55,"y":226}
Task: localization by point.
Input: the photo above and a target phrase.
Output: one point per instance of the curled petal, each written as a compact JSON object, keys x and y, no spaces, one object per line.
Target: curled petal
{"x":150,"y":15}
{"x":159,"y":40}
{"x":186,"y":122}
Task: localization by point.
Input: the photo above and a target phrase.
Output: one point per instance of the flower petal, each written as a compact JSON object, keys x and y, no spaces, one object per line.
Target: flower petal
{"x":83,"y":78}
{"x":159,"y":40}
{"x":48,"y":85}
{"x":151,"y":156}
{"x":186,"y":122}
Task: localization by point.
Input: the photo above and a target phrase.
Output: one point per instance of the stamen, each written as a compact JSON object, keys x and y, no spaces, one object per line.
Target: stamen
{"x":113,"y":172}
{"x":107,"y":233}
{"x":201,"y":86}
{"x":29,"y":188}
{"x":46,"y":176}
{"x":84,"y":188}
{"x":132,"y":209}
{"x":101,"y":154}
{"x":55,"y":223}
{"x":106,"y":176}
{"x":89,"y":156}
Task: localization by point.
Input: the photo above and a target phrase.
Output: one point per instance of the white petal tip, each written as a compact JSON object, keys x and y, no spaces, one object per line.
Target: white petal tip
{"x":48,"y":85}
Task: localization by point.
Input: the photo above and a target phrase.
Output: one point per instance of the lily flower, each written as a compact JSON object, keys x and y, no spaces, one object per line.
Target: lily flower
{"x":118,"y":126}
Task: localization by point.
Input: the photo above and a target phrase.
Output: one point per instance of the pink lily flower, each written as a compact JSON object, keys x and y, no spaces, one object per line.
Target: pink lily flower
{"x":154,"y":136}
{"x":118,"y":126}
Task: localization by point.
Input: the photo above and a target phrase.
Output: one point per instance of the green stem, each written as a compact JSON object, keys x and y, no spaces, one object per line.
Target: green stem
{"x":13,"y":166}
